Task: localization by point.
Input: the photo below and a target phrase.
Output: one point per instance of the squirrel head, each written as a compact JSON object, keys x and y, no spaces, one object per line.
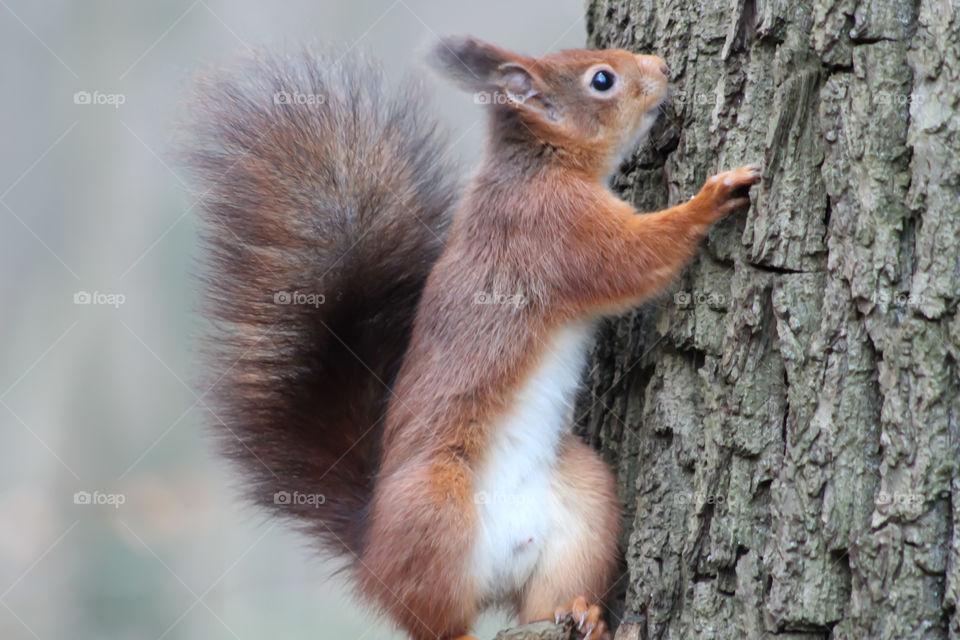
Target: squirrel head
{"x":590,"y":107}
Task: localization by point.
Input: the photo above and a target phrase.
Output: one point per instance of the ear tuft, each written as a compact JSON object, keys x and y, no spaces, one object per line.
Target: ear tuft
{"x":470,"y":62}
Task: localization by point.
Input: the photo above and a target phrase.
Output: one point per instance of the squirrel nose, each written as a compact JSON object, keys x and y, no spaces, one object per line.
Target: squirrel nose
{"x":653,"y":64}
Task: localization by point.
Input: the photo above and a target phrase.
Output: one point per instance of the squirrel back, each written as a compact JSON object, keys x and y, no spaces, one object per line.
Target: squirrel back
{"x":326,"y":200}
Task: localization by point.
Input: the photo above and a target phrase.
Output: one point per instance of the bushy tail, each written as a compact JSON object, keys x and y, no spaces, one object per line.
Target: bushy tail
{"x":326,"y":200}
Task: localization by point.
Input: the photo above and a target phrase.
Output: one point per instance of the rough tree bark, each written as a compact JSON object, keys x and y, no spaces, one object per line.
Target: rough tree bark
{"x":785,"y":422}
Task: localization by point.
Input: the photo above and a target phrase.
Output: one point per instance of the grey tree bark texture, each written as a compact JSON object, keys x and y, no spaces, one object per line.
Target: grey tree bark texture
{"x":785,"y":421}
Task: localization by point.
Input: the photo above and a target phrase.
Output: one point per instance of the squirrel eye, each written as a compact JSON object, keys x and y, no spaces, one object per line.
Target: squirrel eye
{"x":602,"y":80}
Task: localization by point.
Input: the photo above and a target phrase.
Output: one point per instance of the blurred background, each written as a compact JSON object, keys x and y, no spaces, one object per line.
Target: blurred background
{"x":116,"y":518}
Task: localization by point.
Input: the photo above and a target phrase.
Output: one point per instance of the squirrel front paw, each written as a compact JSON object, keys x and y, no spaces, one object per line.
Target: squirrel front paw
{"x":727,"y":191}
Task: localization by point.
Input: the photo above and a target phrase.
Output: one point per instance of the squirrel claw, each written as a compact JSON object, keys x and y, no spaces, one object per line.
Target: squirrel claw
{"x":727,"y":191}
{"x":587,"y":617}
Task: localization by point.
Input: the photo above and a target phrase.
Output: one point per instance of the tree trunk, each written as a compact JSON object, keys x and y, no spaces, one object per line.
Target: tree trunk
{"x":785,"y":421}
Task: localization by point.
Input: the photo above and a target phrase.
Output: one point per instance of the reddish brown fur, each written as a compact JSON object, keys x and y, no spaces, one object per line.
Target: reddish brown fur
{"x":537,"y":218}
{"x":348,"y":198}
{"x":331,"y":198}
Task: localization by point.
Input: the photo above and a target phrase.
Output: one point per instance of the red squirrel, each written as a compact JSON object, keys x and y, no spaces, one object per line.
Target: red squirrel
{"x":395,"y":356}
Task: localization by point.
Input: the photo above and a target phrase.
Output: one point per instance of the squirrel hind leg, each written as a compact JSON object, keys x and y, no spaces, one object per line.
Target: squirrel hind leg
{"x":414,"y":563}
{"x":578,"y":565}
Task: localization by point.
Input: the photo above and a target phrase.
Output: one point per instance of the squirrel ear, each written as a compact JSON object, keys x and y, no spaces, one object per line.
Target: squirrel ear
{"x":516,"y":81}
{"x":472,"y":63}
{"x":482,"y":67}
{"x":489,"y":70}
{"x":525,"y":91}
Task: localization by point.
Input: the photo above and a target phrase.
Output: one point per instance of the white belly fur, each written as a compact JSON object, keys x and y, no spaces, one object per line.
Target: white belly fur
{"x":513,"y":488}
